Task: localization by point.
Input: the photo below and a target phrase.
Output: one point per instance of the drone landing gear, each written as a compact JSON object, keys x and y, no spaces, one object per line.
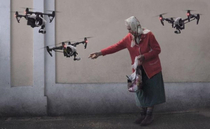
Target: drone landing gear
{"x":177,"y":31}
{"x":76,"y":59}
{"x":42,"y":30}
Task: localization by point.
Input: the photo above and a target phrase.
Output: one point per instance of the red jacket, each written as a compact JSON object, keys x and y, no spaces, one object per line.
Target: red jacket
{"x":148,"y":46}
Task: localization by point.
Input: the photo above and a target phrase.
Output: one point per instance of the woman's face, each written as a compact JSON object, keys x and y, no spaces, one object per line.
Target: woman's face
{"x":130,"y":31}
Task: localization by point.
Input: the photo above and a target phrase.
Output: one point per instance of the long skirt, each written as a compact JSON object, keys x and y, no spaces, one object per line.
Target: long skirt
{"x":153,"y":91}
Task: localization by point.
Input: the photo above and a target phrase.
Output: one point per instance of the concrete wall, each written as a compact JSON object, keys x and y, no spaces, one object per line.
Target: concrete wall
{"x":96,"y":96}
{"x":66,"y":94}
{"x":20,"y":100}
{"x":21,"y":46}
{"x":184,"y":57}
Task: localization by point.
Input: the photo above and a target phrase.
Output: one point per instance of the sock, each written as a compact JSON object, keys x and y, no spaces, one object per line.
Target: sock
{"x":143,"y":110}
{"x":149,"y":111}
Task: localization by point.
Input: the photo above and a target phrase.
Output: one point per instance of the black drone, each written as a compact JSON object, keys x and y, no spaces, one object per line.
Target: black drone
{"x":35,"y":19}
{"x":178,"y":22}
{"x":69,"y":49}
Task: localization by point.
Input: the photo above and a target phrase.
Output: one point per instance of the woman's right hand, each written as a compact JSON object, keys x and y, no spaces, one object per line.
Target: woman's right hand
{"x":95,"y":55}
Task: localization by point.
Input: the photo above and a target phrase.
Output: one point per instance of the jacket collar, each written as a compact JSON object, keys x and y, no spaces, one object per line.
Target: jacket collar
{"x":145,"y":31}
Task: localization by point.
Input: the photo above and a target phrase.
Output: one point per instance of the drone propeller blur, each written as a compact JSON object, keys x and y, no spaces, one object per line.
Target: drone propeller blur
{"x":68,"y":49}
{"x":179,"y":23}
{"x":35,"y":19}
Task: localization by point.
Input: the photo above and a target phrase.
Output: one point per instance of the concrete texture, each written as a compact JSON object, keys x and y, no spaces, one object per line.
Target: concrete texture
{"x":21,"y":100}
{"x":114,"y":98}
{"x":194,"y":119}
{"x":46,"y":97}
{"x":184,"y":57}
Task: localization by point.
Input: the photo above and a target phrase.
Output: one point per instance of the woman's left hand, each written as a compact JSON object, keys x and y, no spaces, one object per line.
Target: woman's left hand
{"x":141,"y":58}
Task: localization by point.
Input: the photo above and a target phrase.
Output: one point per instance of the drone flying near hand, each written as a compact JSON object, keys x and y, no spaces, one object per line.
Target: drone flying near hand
{"x":69,"y":49}
{"x":179,"y":23}
{"x":35,"y":19}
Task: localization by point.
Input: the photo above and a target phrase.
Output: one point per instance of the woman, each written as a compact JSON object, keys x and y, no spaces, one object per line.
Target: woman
{"x":141,"y":43}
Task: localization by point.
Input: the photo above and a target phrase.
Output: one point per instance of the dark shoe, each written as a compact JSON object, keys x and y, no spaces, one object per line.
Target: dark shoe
{"x":140,"y":119}
{"x":147,"y":120}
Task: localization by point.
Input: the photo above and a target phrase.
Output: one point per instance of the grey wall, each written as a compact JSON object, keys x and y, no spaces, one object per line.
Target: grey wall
{"x":47,"y":97}
{"x":21,"y":46}
{"x":184,"y":57}
{"x":21,"y":100}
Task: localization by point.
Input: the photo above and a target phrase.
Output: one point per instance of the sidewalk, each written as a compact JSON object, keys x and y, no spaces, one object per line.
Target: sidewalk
{"x":195,"y":119}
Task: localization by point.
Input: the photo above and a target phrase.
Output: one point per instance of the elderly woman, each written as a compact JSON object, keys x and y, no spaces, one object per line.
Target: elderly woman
{"x":141,"y":43}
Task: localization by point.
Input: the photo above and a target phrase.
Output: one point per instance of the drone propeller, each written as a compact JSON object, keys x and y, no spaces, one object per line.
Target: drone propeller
{"x":188,"y":15}
{"x":51,"y":16}
{"x":161,"y":18}
{"x":67,"y":41}
{"x":89,"y":37}
{"x":52,"y":11}
{"x":189,"y":10}
{"x":16,"y":13}
{"x":163,"y":14}
{"x":27,"y":11}
{"x":160,"y":14}
{"x":85,"y":42}
{"x":27,"y":8}
{"x":18,"y":17}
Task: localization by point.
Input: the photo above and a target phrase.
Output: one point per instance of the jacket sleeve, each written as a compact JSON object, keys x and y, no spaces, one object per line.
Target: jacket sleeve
{"x":154,"y":48}
{"x":115,"y":47}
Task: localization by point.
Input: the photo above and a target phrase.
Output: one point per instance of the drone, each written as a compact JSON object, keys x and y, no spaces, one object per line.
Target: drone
{"x":35,"y":19}
{"x":179,"y":23}
{"x":68,"y":49}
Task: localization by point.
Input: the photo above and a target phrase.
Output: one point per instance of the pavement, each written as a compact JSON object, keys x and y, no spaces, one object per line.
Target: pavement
{"x":193,"y":119}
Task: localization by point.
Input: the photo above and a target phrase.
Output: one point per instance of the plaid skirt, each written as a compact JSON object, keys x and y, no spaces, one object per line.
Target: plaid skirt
{"x":152,"y":92}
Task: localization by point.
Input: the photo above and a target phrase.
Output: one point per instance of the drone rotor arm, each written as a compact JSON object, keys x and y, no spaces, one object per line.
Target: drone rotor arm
{"x":51,"y":19}
{"x":161,"y":19}
{"x":49,"y":51}
{"x":186,"y":19}
{"x":77,"y":43}
{"x":170,"y":20}
{"x":51,"y":16}
{"x":18,"y":17}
